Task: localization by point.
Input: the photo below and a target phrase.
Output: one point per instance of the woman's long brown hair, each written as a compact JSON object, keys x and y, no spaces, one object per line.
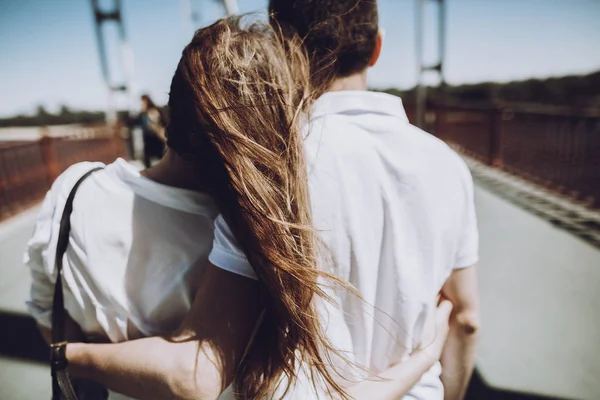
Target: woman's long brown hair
{"x":235,"y":103}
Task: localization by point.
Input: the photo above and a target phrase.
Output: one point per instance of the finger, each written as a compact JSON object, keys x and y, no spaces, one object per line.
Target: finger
{"x":445,"y":308}
{"x":441,"y":297}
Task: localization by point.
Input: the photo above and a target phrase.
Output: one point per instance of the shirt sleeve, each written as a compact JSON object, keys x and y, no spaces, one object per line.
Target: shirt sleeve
{"x":226,"y":254}
{"x":468,"y":242}
{"x":41,"y":249}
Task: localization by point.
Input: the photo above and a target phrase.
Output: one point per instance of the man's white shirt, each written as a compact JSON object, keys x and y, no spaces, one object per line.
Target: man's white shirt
{"x":394,"y":207}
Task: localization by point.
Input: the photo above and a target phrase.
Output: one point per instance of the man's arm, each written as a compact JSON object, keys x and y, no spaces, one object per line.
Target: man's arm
{"x":197,"y":362}
{"x":458,"y":357}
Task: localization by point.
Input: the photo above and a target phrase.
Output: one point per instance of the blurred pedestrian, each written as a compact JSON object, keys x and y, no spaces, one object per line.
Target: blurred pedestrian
{"x":153,"y":130}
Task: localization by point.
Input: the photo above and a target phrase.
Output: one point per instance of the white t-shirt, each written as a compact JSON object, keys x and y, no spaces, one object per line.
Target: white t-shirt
{"x":395,"y":207}
{"x":135,"y":250}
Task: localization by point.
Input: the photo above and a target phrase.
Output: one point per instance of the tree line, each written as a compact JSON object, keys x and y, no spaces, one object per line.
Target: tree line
{"x":572,"y":91}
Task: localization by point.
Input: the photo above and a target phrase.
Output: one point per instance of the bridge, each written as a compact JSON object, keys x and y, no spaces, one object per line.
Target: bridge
{"x":537,"y":175}
{"x":540,"y":246}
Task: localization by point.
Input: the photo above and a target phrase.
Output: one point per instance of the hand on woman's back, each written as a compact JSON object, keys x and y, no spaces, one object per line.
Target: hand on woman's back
{"x":437,"y":329}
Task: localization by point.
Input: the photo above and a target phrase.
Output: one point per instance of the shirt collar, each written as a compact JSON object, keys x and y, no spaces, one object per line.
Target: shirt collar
{"x":190,"y":201}
{"x":358,"y":102}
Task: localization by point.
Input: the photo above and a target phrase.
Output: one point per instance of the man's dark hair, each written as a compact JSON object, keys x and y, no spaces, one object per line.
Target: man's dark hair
{"x":339,"y":35}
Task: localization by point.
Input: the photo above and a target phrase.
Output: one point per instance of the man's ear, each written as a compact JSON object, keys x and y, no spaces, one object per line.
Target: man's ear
{"x":377,"y":49}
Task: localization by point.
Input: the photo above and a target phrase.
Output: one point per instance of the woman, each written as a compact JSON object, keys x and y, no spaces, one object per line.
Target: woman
{"x":234,"y":134}
{"x":153,"y":130}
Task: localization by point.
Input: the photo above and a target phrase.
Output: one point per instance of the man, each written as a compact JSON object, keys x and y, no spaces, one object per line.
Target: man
{"x":396,"y":203}
{"x":393,"y":204}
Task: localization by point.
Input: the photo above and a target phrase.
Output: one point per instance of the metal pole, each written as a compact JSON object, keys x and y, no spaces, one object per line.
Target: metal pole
{"x":421,"y":91}
{"x":438,"y":67}
{"x":127,"y":60}
{"x":442,"y":40}
{"x":231,"y":7}
{"x":126,"y":57}
{"x":110,"y":113}
{"x":100,"y":40}
{"x":188,"y":18}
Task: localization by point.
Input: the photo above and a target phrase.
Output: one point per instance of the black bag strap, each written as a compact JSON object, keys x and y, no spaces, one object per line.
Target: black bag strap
{"x":58,"y":304}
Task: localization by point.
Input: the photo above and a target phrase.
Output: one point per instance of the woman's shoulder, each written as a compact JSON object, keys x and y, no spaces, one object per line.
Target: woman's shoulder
{"x":39,"y":254}
{"x":65,"y":182}
{"x":56,"y":197}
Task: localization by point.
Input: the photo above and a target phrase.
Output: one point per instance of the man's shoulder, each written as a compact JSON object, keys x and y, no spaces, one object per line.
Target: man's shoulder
{"x":337,"y":137}
{"x":435,"y":151}
{"x":337,"y":127}
{"x":407,"y":146}
{"x":428,"y":141}
{"x":349,"y":132}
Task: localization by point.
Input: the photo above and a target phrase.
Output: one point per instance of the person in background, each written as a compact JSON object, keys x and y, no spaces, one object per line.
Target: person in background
{"x":142,"y":252}
{"x":153,"y":130}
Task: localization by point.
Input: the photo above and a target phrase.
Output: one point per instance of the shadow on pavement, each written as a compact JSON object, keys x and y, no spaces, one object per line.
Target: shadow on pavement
{"x":19,"y":338}
{"x":479,"y":390}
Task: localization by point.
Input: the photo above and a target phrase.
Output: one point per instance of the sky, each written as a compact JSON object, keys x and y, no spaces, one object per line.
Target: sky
{"x":49,"y":55}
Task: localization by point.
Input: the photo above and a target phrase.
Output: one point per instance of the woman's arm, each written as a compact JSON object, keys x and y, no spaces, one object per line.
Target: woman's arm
{"x":196,"y":366}
{"x":197,"y":362}
{"x":396,"y":381}
{"x":149,"y":368}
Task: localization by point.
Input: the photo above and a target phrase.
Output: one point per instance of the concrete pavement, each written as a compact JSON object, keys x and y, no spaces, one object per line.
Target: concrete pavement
{"x":23,"y":373}
{"x":540,"y":302}
{"x":14,"y":277}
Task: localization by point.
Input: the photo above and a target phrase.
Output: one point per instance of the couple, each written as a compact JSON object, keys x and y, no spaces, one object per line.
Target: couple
{"x":216,"y":267}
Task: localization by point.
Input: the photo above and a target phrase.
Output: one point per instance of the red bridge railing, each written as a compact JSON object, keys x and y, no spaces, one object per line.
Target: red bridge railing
{"x":555,"y":147}
{"x":28,"y":168}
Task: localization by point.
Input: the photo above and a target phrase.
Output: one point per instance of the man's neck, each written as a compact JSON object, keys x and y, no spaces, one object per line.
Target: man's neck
{"x":357,"y":81}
